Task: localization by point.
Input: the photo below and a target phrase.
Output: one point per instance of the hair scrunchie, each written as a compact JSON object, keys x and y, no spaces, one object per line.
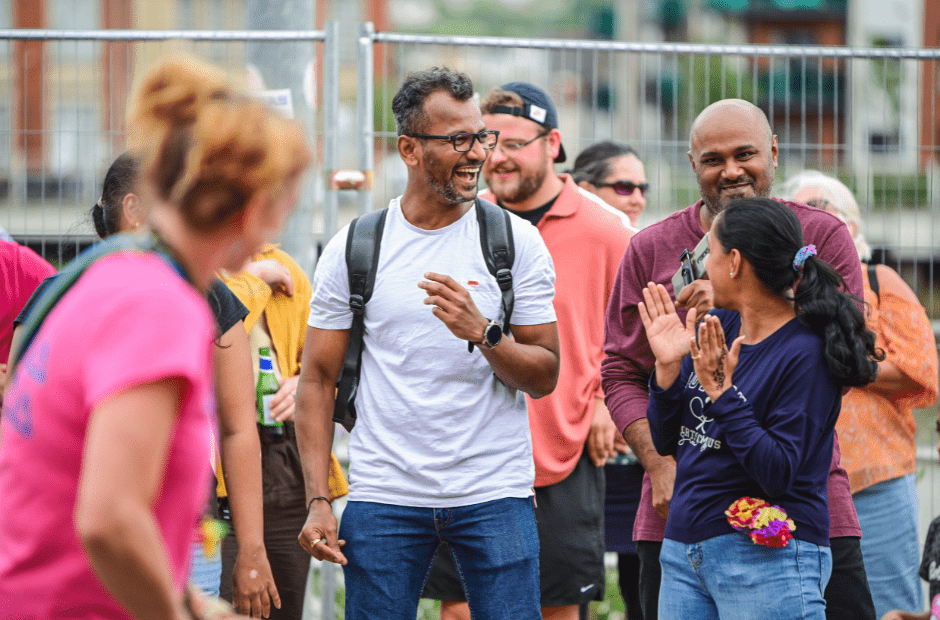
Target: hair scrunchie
{"x":804,"y":252}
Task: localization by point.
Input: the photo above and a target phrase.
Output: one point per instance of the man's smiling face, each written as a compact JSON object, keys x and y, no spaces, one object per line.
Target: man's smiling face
{"x":451,"y":174}
{"x":733,"y":156}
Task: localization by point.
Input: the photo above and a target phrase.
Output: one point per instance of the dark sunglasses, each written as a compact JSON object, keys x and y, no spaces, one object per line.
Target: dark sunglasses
{"x":625,"y":188}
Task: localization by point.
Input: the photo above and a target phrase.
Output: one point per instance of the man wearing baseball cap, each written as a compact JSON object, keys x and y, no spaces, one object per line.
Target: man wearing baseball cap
{"x":586,"y":239}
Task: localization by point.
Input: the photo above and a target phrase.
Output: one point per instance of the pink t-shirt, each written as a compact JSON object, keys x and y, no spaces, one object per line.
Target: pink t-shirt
{"x":129,"y":320}
{"x":21,"y":271}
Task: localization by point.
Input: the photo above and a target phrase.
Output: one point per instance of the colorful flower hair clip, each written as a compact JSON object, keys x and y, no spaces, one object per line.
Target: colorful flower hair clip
{"x":766,"y":525}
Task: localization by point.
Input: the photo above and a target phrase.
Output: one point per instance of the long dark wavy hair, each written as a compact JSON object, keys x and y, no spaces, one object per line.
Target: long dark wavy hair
{"x":768,"y":234}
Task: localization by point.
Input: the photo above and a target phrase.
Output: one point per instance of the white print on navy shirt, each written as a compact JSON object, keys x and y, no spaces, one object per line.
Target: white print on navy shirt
{"x":699,"y":435}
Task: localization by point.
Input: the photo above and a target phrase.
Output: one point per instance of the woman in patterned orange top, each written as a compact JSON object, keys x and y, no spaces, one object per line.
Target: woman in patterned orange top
{"x":876,"y":427}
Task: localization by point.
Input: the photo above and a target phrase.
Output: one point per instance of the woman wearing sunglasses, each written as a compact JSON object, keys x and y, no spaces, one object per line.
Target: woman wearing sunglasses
{"x":615,"y":174}
{"x":752,"y":427}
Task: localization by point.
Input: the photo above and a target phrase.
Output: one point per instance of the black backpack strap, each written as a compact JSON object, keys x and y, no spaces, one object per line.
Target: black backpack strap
{"x":362,"y":261}
{"x":59,"y":284}
{"x":498,"y":251}
{"x":873,"y":282}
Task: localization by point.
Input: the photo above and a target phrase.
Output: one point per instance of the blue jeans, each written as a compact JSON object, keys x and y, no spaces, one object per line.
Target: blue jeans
{"x":205,"y":572}
{"x":730,"y":578}
{"x":390,"y":548}
{"x":887,"y":512}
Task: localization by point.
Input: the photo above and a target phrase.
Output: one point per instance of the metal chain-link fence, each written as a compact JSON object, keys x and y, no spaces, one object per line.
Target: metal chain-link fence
{"x":869,"y":116}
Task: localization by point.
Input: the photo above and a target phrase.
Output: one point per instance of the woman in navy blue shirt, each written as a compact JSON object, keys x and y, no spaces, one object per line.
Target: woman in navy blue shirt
{"x":752,"y":427}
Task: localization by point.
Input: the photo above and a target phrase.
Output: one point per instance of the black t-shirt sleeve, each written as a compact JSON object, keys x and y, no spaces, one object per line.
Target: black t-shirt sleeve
{"x":21,"y":317}
{"x":227,"y":308}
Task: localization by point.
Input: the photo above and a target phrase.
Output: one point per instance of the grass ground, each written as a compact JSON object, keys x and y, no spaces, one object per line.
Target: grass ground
{"x":611,"y":608}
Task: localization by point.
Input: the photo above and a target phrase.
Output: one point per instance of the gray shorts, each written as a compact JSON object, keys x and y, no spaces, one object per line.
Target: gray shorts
{"x":570,"y":520}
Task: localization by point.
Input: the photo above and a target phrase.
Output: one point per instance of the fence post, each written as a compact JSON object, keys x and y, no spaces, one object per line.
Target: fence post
{"x":330,"y":127}
{"x":365,"y":112}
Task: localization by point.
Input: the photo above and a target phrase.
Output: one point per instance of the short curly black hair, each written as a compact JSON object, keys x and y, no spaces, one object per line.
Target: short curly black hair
{"x":408,"y":104}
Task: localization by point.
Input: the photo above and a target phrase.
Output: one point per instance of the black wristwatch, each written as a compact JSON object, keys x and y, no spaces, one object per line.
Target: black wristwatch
{"x":492,"y":334}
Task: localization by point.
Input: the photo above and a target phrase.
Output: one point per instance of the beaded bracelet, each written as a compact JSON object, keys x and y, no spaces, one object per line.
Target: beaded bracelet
{"x":313,"y":499}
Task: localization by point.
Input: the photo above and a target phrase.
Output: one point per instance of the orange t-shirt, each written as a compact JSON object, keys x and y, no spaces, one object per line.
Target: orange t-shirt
{"x":586,"y":243}
{"x":877,"y":433}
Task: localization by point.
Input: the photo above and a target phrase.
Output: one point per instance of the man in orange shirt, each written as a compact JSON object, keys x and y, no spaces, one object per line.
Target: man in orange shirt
{"x":586,"y":239}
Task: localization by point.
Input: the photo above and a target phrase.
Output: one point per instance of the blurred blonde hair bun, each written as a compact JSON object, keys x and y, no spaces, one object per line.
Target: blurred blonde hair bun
{"x":206,"y":147}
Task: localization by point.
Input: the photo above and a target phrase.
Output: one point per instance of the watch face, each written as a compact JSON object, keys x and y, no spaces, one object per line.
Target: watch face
{"x":493,"y":334}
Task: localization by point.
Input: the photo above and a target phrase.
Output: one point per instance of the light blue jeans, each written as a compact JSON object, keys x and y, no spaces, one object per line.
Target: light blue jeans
{"x":887,"y":512}
{"x":495,"y":547}
{"x":205,"y":571}
{"x":730,"y":578}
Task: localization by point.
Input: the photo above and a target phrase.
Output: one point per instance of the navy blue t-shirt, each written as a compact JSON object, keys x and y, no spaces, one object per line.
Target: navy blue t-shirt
{"x":769,"y":436}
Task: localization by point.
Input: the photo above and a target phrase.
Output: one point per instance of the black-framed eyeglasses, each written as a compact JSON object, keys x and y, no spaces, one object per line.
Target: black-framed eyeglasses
{"x":626,"y":188}
{"x":518,"y":146}
{"x":463,"y":142}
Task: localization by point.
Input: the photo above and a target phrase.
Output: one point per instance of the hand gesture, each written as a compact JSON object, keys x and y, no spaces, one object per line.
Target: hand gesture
{"x":198,"y":606}
{"x":714,"y":363}
{"x":698,"y":295}
{"x":663,"y":479}
{"x":454,"y":306}
{"x":253,"y":589}
{"x":320,"y":527}
{"x":603,"y":440}
{"x":274,"y":274}
{"x":285,"y":400}
{"x":668,"y":339}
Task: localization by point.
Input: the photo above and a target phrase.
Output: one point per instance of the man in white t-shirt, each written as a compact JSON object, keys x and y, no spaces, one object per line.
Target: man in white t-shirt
{"x":441,"y":449}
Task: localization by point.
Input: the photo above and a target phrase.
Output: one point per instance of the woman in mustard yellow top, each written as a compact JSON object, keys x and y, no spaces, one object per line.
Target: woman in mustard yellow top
{"x":876,"y":426}
{"x":277,"y":294}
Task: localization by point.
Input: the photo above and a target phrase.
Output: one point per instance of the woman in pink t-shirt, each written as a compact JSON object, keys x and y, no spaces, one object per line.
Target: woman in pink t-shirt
{"x":106,"y":426}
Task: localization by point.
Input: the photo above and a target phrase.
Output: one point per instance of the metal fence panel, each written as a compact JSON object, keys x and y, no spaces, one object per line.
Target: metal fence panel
{"x":867,"y":115}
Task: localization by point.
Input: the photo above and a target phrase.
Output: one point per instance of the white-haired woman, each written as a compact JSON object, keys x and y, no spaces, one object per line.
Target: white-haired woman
{"x":876,"y":427}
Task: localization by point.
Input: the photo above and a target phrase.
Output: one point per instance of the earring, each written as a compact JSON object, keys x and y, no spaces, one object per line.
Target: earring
{"x":732,"y":274}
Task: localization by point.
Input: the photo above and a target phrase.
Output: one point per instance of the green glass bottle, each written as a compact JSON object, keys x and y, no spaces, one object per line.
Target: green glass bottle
{"x":264,"y":391}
